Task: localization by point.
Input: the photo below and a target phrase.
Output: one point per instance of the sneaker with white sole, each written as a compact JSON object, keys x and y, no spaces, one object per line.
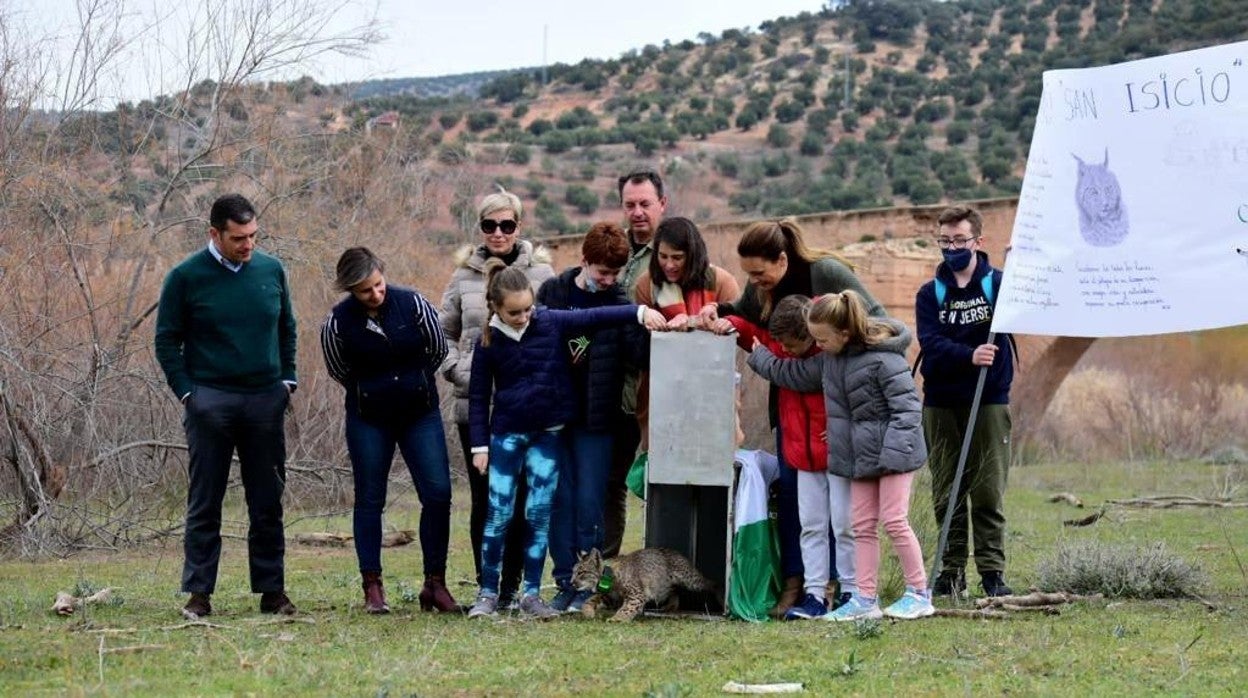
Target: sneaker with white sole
{"x":486,"y":605}
{"x":913,"y":604}
{"x":532,"y":605}
{"x":578,"y":601}
{"x":562,"y":602}
{"x":811,"y":607}
{"x":855,"y":609}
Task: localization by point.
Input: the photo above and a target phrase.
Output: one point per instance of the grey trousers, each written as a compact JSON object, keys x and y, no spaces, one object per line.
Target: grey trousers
{"x":823,"y":501}
{"x":218,"y":423}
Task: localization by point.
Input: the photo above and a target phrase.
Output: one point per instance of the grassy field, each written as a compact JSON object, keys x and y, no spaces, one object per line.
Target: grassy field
{"x":333,"y":648}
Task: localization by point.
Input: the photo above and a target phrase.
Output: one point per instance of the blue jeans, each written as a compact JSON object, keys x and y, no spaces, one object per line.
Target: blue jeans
{"x":535,"y":455}
{"x":788,"y":524}
{"x":576,"y":521}
{"x":423,"y":445}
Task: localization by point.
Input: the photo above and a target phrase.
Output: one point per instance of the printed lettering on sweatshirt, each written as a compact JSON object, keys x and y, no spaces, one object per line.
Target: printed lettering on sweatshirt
{"x":973,"y":311}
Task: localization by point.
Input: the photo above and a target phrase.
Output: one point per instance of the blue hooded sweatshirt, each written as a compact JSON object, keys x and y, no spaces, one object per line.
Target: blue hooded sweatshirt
{"x":949,"y":333}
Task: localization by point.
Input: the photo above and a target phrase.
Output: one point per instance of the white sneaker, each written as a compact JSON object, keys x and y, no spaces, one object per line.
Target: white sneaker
{"x":913,"y":604}
{"x":855,"y":609}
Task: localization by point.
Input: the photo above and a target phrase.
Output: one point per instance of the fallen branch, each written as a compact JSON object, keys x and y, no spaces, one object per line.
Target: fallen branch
{"x":282,"y":620}
{"x":736,"y":687}
{"x":66,"y":603}
{"x":163,"y":628}
{"x":133,"y":648}
{"x":1087,"y":520}
{"x":328,"y":539}
{"x":1044,"y":610}
{"x":974,"y":614}
{"x":1175,"y":501}
{"x":394,"y":539}
{"x":1034,"y":599}
{"x":1068,"y":498}
{"x":1209,"y":605}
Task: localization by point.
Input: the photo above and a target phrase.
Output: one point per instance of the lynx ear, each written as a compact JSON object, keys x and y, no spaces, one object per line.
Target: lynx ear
{"x":595,"y":556}
{"x":1106,"y":163}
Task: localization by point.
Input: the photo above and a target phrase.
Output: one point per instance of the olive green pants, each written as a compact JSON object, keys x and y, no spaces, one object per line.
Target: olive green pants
{"x":983,"y":482}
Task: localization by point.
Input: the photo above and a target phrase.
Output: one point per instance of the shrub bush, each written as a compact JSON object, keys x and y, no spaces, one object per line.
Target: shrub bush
{"x":479,"y":121}
{"x":779,"y":137}
{"x":811,"y":145}
{"x":447,"y":120}
{"x":518,"y":154}
{"x":1118,"y":571}
{"x":582,"y":198}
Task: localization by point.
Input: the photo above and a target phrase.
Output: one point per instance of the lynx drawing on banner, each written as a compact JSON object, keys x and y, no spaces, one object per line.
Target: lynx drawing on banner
{"x":1102,"y":215}
{"x":1162,"y":139}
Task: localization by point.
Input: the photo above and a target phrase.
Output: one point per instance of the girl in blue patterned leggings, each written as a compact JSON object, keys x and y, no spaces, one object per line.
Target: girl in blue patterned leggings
{"x":519,"y":366}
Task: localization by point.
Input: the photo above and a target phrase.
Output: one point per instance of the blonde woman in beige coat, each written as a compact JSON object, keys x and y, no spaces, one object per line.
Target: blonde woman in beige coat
{"x":463,"y":315}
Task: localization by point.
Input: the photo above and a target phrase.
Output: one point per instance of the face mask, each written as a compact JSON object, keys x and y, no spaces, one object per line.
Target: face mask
{"x":957,"y":259}
{"x":590,"y":285}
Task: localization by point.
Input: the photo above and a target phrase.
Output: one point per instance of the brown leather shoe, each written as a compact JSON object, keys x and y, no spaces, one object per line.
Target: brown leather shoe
{"x":374,"y":594}
{"x":435,"y":596}
{"x":277,"y":602}
{"x":197,"y":607}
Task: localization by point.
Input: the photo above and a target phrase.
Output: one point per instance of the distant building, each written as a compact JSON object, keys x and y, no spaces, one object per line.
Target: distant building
{"x":383,"y":122}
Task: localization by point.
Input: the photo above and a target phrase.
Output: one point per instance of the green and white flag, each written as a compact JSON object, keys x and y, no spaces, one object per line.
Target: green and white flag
{"x":755,"y":546}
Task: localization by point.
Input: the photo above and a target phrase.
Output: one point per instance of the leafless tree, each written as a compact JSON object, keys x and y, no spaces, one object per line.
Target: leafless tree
{"x":90,"y":201}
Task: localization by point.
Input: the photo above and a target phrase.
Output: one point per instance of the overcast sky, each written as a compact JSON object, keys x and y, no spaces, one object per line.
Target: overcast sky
{"x":438,"y":37}
{"x":423,"y":37}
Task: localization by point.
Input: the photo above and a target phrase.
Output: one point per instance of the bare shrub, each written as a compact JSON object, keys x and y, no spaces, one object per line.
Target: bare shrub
{"x":1142,"y":412}
{"x":96,"y":207}
{"x":1134,"y":572}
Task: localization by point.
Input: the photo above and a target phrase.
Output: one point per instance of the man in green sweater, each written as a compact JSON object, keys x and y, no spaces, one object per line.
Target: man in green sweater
{"x":225,"y":338}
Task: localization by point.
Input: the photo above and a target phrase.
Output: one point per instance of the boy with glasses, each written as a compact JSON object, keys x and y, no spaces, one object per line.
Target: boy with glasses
{"x":953,"y":313}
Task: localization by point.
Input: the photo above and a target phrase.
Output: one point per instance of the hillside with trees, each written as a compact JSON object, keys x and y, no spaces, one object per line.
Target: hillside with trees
{"x":866,"y":103}
{"x":862,"y":104}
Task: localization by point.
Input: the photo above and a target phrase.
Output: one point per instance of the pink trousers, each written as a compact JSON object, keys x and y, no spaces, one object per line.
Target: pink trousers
{"x":884,"y":501}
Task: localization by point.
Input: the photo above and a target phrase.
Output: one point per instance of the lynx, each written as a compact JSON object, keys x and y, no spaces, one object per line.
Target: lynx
{"x":1102,"y":215}
{"x":640,"y":577}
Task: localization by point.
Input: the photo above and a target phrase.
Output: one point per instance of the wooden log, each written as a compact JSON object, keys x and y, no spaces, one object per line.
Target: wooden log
{"x":328,"y":539}
{"x":1035,"y":598}
{"x":1068,"y":498}
{"x":1087,"y":520}
{"x":972,"y":614}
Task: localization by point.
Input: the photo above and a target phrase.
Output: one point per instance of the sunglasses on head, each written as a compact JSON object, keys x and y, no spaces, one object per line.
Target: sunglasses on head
{"x":489,"y":225}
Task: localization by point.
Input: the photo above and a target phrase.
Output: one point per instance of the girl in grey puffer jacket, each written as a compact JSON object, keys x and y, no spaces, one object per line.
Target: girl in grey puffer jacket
{"x":874,"y":436}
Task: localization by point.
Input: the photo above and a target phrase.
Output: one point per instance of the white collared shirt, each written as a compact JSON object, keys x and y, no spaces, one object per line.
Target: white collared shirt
{"x":497,"y":323}
{"x":232,"y":266}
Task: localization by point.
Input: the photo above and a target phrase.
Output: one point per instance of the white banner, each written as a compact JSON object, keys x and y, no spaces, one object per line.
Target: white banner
{"x":1133,"y":216}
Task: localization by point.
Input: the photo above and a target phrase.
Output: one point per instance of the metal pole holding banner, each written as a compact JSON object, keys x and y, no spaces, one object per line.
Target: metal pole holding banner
{"x":950,"y":503}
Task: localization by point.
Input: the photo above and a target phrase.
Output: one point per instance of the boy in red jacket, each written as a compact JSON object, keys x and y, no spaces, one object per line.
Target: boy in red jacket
{"x":823,"y":498}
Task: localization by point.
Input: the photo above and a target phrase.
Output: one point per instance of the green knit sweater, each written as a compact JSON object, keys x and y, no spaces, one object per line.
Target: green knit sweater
{"x":228,"y":330}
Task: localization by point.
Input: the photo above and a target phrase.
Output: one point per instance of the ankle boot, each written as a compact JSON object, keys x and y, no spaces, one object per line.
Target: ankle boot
{"x":788,"y":597}
{"x":374,"y":594}
{"x":435,"y":595}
